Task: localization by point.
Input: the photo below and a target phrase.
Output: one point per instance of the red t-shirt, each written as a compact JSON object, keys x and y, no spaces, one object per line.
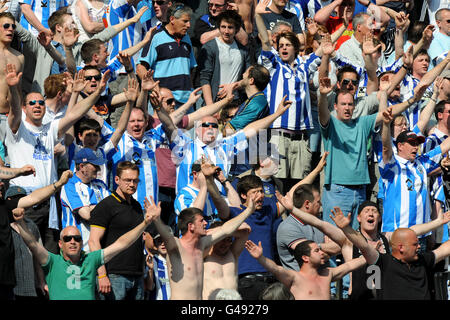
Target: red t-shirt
{"x":335,"y":23}
{"x":164,"y":164}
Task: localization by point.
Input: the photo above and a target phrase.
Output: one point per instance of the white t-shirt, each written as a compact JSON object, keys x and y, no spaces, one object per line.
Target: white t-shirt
{"x":230,"y":61}
{"x":35,"y":146}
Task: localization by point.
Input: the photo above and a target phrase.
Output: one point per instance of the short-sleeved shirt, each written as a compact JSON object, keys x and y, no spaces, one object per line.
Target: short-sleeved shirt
{"x":407,"y":200}
{"x":117,"y":217}
{"x":262,"y":223}
{"x":42,"y":10}
{"x":172,"y":59}
{"x":289,"y":231}
{"x":186,"y":197}
{"x":68,"y":281}
{"x":401,"y":281}
{"x":347,"y":144}
{"x":270,"y":19}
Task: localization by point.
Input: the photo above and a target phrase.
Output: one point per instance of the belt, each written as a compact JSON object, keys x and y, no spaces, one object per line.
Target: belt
{"x":353,"y":186}
{"x":301,"y":135}
{"x":257,"y":276}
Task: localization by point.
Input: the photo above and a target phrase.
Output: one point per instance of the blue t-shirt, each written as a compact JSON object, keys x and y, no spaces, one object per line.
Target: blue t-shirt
{"x":262,"y":224}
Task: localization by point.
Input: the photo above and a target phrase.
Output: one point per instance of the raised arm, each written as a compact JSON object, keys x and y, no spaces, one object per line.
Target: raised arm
{"x":386,"y":138}
{"x":168,"y":125}
{"x":152,"y":211}
{"x":11,"y":173}
{"x":37,"y":249}
{"x":285,"y":276}
{"x":323,"y":15}
{"x":253,"y":128}
{"x":442,"y":252}
{"x":229,"y":227}
{"x":209,"y":170}
{"x":262,"y":30}
{"x":327,"y":228}
{"x":340,"y":271}
{"x":15,"y":111}
{"x":179,"y":113}
{"x":369,"y":49}
{"x":324,"y":89}
{"x":42,"y":194}
{"x":309,"y":179}
{"x":343,"y":222}
{"x":88,"y":25}
{"x":46,"y":41}
{"x":442,"y":219}
{"x":81,"y":107}
{"x":427,"y":112}
{"x":28,"y":12}
{"x":131,"y":94}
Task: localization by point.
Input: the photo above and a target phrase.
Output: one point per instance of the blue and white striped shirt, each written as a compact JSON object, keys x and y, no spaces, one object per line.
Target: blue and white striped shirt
{"x":185,"y":151}
{"x":119,"y":11}
{"x":431,"y":142}
{"x":42,"y":10}
{"x":293,"y":82}
{"x":75,"y":195}
{"x":142,"y":153}
{"x":186,"y":197}
{"x":407,"y":201}
{"x":310,"y":7}
{"x":172,"y":59}
{"x":161,"y":276}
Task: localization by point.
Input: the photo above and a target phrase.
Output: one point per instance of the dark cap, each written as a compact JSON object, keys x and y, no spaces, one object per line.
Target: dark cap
{"x":86,"y":155}
{"x":365,"y":204}
{"x":409,"y":136}
{"x":15,"y":191}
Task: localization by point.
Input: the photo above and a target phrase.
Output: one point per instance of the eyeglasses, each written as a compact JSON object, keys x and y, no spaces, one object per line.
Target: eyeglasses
{"x":96,"y":78}
{"x":69,"y":238}
{"x":7,"y":25}
{"x":33,"y":102}
{"x":159,"y":3}
{"x":129,"y":181}
{"x":170,"y":100}
{"x":210,"y":124}
{"x":347,"y":81}
{"x":216,"y":5}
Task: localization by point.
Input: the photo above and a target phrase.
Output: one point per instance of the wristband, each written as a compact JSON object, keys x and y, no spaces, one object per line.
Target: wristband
{"x":102,"y":276}
{"x":433,"y":100}
{"x":403,"y":66}
{"x":54,"y":186}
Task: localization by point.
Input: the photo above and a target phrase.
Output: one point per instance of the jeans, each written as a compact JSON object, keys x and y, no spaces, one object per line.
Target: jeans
{"x":125,"y":288}
{"x":345,"y":197}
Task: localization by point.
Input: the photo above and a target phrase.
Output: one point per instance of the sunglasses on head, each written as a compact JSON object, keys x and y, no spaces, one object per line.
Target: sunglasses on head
{"x":69,"y":238}
{"x":97,"y":77}
{"x":210,"y":124}
{"x":7,"y":25}
{"x":33,"y":102}
{"x":347,"y":81}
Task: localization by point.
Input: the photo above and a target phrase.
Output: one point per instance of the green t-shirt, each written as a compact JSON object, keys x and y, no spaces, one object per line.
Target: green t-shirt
{"x":67,"y":281}
{"x":347,"y":143}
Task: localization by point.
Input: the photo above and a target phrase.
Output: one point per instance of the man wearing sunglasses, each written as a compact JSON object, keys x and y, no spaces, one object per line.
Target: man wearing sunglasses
{"x":17,"y":200}
{"x":7,"y":27}
{"x":30,"y":141}
{"x":71,"y":275}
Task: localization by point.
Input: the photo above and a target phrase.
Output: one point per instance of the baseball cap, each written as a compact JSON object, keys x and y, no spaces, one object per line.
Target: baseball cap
{"x":15,"y":191}
{"x":409,"y":136}
{"x":86,"y":155}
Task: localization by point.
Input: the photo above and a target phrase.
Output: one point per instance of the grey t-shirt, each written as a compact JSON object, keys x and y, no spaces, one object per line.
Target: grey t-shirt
{"x":289,"y":231}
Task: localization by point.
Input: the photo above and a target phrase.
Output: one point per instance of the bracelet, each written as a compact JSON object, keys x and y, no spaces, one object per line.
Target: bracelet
{"x":403,"y":66}
{"x":54,"y":186}
{"x":410,"y":102}
{"x":102,"y":276}
{"x":432,"y":99}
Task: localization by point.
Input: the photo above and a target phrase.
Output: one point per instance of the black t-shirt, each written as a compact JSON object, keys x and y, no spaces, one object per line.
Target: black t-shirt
{"x":7,"y":276}
{"x":361,"y":275}
{"x":270,"y":19}
{"x":118,"y":217}
{"x":401,"y":281}
{"x":103,"y":106}
{"x":203,"y":24}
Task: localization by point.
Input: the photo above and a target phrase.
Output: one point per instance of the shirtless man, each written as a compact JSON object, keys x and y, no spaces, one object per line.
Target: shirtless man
{"x":220,"y":264}
{"x":313,"y":280}
{"x":186,"y":254}
{"x":7,"y":56}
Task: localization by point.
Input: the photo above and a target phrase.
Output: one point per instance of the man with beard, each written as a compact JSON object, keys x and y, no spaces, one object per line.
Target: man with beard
{"x":313,"y":280}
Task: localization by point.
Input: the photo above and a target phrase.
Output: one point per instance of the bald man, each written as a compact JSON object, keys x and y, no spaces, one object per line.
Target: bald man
{"x":71,"y":274}
{"x":405,"y":274}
